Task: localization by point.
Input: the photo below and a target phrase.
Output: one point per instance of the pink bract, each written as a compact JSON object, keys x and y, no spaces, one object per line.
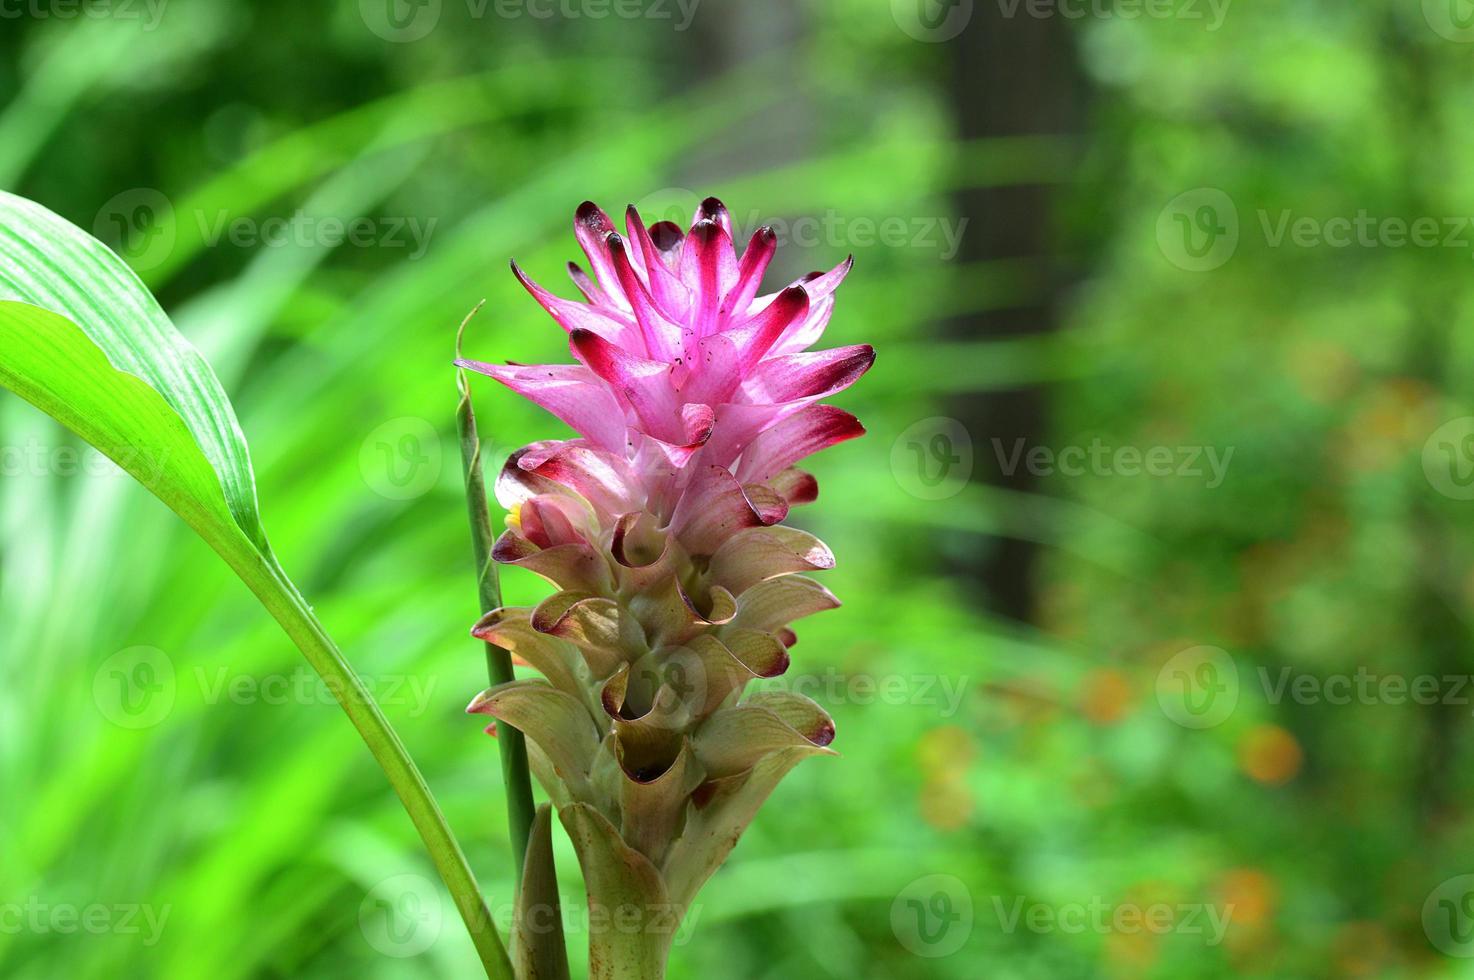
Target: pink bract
{"x":682,"y":366}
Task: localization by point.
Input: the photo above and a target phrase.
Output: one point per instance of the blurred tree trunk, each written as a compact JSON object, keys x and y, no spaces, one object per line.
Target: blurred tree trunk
{"x":726,"y":36}
{"x":1011,"y":76}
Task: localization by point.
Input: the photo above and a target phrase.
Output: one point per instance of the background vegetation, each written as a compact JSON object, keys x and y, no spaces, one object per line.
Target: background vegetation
{"x":1067,"y":225}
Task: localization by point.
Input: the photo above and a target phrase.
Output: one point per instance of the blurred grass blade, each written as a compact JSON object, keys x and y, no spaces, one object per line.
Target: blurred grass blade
{"x":132,"y":386}
{"x":513,"y":746}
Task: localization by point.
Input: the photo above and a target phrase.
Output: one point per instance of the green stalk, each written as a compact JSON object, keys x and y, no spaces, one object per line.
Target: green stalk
{"x":515,"y":775}
{"x":280,"y":597}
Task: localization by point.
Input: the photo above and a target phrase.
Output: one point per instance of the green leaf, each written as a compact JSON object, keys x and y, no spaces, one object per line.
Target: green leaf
{"x":50,"y":362}
{"x":84,"y":341}
{"x":50,"y":263}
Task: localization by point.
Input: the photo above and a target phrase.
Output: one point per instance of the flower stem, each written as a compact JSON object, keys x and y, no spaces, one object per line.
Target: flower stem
{"x":515,"y":775}
{"x":265,"y":578}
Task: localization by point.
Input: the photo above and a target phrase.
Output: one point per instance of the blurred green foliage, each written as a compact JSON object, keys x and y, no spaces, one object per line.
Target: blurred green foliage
{"x":235,"y":808}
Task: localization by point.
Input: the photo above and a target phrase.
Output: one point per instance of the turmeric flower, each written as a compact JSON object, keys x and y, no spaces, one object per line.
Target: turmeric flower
{"x":661,"y":527}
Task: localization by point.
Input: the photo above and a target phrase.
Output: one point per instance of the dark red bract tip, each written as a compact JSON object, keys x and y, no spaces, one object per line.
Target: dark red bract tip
{"x":610,"y":702}
{"x":706,"y":231}
{"x":794,"y":296}
{"x":588,"y":213}
{"x":823,"y":735}
{"x":713,"y":206}
{"x":666,"y":235}
{"x":780,"y":666}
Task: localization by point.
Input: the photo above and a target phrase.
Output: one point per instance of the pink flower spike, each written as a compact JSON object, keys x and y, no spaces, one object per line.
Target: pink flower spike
{"x":661,"y":529}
